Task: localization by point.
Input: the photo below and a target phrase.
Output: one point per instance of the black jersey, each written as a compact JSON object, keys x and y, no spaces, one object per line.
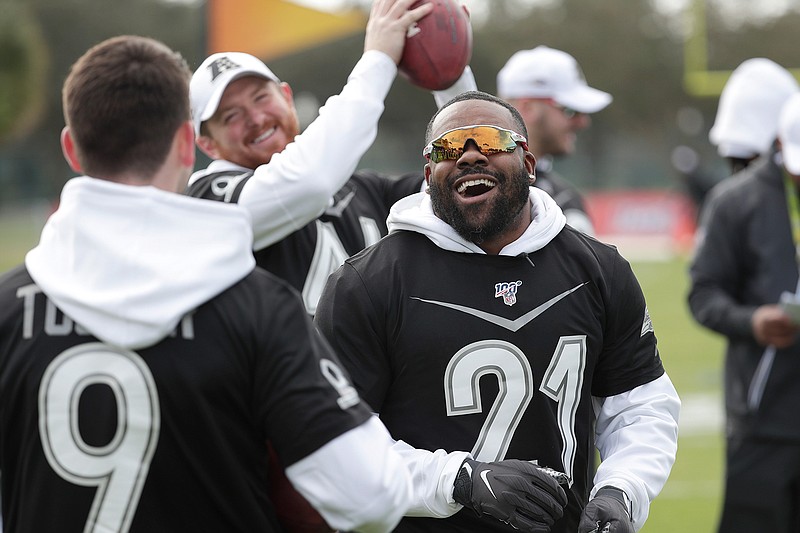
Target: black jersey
{"x":495,"y":354}
{"x":167,"y":438}
{"x":355,"y":220}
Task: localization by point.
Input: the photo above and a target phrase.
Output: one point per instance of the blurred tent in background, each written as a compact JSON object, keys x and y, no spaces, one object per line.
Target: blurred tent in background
{"x":269,"y":29}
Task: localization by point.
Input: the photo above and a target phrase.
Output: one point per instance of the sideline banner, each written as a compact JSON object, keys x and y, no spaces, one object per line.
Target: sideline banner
{"x":644,"y":224}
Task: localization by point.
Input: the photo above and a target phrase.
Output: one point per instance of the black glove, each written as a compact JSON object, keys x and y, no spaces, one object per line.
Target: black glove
{"x":607,"y":512}
{"x":519,"y":493}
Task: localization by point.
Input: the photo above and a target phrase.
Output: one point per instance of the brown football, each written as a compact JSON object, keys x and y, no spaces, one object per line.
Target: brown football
{"x":438,"y":47}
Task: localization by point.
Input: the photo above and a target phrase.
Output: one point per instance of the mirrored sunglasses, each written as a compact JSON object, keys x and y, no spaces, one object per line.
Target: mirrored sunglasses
{"x":489,"y":140}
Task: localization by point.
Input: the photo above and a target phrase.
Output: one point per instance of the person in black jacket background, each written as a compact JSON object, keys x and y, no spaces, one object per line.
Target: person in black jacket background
{"x":745,"y":266}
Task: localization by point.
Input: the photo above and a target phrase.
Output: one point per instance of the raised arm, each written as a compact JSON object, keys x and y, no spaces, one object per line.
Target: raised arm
{"x":296,"y":185}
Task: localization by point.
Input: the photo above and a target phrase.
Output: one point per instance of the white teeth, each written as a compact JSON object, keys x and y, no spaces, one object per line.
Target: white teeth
{"x":264,"y":135}
{"x":471,"y":183}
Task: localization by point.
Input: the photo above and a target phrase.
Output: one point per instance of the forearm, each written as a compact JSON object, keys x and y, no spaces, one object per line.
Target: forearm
{"x":715,"y":309}
{"x":637,"y":436}
{"x":356,"y":481}
{"x":297,"y":184}
{"x":433,"y":475}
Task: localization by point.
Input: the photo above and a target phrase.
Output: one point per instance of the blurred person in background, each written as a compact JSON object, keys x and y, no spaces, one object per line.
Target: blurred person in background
{"x":744,"y":285}
{"x":746,"y":124}
{"x":140,"y":375}
{"x":548,"y":88}
{"x":310,"y":210}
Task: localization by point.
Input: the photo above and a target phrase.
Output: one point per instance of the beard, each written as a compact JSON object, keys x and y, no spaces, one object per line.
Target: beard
{"x":468,"y":221}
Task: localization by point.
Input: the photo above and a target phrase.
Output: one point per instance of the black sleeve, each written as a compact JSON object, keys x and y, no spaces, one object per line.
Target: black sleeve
{"x":716,"y":269}
{"x":630,"y":355}
{"x":350,"y":319}
{"x":394,"y":188}
{"x":301,"y":391}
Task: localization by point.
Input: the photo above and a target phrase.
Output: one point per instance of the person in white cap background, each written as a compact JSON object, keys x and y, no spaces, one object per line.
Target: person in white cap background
{"x":549,"y":89}
{"x":744,"y":285}
{"x":746,"y":124}
{"x":310,"y":210}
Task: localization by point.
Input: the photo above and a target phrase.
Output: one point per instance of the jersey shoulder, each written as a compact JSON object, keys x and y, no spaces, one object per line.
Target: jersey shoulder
{"x":389,"y":188}
{"x":222,"y":186}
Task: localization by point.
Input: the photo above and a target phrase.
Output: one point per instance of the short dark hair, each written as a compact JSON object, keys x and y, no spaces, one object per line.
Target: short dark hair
{"x":479,"y":95}
{"x":123,"y":101}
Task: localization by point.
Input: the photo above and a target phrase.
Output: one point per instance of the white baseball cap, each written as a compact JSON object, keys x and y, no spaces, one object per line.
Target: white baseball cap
{"x":746,"y":124}
{"x":214,"y":75}
{"x":545,"y":72}
{"x":789,"y":134}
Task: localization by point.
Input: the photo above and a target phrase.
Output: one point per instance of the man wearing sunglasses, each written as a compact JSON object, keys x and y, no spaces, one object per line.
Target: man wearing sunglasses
{"x":310,"y":210}
{"x":551,"y":93}
{"x":484,"y":322}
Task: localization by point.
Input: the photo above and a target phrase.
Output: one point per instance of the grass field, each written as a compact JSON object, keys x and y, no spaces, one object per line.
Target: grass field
{"x":690,"y":500}
{"x":693,"y":357}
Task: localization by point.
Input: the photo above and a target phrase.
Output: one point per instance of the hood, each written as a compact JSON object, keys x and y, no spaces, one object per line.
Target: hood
{"x":128,"y":262}
{"x":415,"y":213}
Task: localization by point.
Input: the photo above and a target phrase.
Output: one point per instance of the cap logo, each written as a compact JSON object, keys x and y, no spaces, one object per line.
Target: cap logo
{"x":508,"y":291}
{"x":223,"y":64}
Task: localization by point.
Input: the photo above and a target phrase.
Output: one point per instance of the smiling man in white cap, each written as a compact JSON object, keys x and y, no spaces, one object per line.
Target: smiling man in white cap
{"x":548,"y":88}
{"x":744,"y":285}
{"x":746,"y":124}
{"x":311,"y":209}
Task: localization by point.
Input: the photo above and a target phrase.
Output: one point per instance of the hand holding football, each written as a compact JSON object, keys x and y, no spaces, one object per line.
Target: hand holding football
{"x":438,"y":47}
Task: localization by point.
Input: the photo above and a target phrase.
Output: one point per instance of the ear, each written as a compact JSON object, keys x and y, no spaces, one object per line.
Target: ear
{"x":427,"y":171}
{"x":69,"y":150}
{"x":286,"y":91}
{"x":208,"y":146}
{"x":186,"y":152}
{"x":530,"y":163}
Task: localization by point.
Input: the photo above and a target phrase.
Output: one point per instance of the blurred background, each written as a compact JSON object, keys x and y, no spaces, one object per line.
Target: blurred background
{"x":664,"y":61}
{"x":644,"y":164}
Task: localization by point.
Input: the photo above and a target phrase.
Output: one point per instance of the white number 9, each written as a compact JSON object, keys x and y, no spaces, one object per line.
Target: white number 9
{"x":118,"y":469}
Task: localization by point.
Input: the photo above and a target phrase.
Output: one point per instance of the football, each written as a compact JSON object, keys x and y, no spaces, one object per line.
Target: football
{"x":438,"y":47}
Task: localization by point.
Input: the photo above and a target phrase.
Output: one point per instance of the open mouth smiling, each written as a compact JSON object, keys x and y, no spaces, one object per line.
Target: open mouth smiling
{"x":264,"y":136}
{"x":470,"y":188}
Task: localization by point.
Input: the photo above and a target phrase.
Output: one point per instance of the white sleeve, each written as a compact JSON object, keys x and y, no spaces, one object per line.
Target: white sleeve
{"x":432,"y":476}
{"x":463,"y":84}
{"x":297,"y":184}
{"x":637,"y":437}
{"x":357,"y":481}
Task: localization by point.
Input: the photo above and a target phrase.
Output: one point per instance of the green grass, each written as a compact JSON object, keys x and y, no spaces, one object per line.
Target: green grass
{"x":693,"y":358}
{"x":690,"y":500}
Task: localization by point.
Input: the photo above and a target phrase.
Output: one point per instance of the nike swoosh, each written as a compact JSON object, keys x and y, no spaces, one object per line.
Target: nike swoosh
{"x":337,"y":209}
{"x":511,"y":325}
{"x":486,"y":482}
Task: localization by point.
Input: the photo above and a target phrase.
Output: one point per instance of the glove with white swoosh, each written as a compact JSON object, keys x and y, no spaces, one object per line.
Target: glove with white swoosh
{"x":520,"y":493}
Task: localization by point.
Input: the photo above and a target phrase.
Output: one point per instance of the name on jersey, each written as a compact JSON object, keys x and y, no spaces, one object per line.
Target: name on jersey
{"x":57,"y":324}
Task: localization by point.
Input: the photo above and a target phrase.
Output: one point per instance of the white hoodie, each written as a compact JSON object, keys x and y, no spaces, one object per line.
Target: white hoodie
{"x":636,"y":431}
{"x":415,"y":213}
{"x":128,"y":262}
